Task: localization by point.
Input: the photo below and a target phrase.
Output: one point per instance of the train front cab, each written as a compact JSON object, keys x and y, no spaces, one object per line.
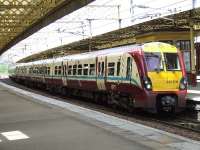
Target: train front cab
{"x":165,"y":81}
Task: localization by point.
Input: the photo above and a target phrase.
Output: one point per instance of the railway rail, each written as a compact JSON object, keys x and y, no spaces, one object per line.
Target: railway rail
{"x":186,"y":124}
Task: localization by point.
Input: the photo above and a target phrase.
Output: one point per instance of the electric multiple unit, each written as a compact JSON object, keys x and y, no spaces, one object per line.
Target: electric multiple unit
{"x":150,"y":76}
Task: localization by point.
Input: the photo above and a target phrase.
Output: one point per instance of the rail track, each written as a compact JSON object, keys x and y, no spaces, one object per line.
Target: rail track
{"x":186,"y":124}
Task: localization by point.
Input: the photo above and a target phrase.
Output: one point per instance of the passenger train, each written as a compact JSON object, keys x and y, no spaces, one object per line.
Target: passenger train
{"x":148,"y":76}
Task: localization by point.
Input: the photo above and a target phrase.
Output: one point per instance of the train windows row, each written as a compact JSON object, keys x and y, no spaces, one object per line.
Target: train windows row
{"x":58,"y":70}
{"x":80,"y":69}
{"x":85,"y":69}
{"x":39,"y":70}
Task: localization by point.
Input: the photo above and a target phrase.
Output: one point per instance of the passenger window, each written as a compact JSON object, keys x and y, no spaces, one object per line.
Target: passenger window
{"x":48,"y":71}
{"x":92,"y":69}
{"x":74,"y":69}
{"x":79,"y":69}
{"x":118,"y":68}
{"x":70,"y":70}
{"x":129,"y":67}
{"x":45,"y":70}
{"x":111,"y":69}
{"x":59,"y":70}
{"x":85,"y":69}
{"x":56,"y":70}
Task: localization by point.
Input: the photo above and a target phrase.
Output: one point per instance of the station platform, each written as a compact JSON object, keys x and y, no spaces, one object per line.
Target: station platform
{"x":35,"y":122}
{"x":193,"y":93}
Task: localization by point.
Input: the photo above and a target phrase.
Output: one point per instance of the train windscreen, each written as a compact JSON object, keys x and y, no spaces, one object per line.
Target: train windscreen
{"x":172,"y":61}
{"x":153,"y":61}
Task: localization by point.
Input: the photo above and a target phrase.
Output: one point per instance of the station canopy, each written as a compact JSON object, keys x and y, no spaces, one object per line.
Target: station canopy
{"x":176,"y":22}
{"x":21,"y":18}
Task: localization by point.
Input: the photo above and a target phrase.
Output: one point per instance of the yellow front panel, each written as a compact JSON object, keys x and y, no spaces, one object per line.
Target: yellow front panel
{"x":165,"y":80}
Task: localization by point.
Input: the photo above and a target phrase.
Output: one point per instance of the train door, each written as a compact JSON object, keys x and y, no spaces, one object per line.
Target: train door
{"x":101,"y":61}
{"x":64,"y":73}
{"x":119,"y":66}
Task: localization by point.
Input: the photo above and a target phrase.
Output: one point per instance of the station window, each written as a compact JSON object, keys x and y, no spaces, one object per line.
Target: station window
{"x":118,"y":68}
{"x":79,"y":69}
{"x":70,"y":70}
{"x":85,"y":69}
{"x":111,"y":69}
{"x":183,"y":45}
{"x":74,"y":69}
{"x":92,"y":69}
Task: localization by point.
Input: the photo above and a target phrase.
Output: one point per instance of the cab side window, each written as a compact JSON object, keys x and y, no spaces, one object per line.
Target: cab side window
{"x":129,"y":68}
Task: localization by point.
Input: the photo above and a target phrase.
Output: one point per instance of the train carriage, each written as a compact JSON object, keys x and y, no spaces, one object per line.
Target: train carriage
{"x":149,"y":76}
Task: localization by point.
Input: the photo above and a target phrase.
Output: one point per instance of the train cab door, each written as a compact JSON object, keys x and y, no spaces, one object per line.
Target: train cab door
{"x":129,"y":68}
{"x":101,"y":61}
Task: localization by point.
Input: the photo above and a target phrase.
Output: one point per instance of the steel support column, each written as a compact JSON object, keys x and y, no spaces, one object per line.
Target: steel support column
{"x":192,"y":56}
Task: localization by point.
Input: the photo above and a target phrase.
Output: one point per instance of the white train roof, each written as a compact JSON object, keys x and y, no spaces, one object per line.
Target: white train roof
{"x":108,"y":52}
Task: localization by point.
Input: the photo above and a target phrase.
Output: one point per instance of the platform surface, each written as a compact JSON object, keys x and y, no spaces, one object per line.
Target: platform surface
{"x":29,"y":121}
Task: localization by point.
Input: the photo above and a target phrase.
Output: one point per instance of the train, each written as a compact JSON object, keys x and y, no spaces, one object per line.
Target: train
{"x":149,"y":76}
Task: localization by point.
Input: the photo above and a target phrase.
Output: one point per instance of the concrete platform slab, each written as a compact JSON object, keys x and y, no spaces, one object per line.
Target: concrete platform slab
{"x":52,"y":124}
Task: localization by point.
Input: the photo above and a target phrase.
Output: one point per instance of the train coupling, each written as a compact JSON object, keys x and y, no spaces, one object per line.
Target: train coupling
{"x":167,"y":103}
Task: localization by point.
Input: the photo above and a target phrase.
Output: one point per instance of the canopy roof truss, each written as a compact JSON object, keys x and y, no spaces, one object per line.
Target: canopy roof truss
{"x":20,"y":18}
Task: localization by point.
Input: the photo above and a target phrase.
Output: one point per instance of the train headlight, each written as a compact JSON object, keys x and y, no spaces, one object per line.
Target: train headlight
{"x":183,"y":84}
{"x":147,"y":83}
